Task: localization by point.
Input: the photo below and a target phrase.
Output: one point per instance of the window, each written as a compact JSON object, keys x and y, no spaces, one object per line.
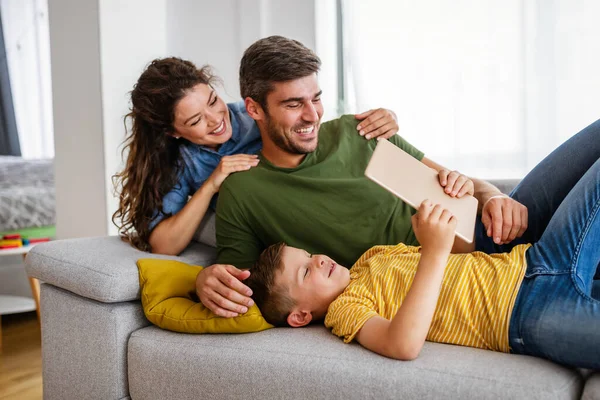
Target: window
{"x":487,"y":87}
{"x":27,"y":41}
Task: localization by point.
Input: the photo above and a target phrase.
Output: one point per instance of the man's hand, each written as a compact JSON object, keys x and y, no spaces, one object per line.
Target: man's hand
{"x":379,"y":123}
{"x":434,"y":227}
{"x":219,"y":288}
{"x":456,"y":184}
{"x":504,"y":219}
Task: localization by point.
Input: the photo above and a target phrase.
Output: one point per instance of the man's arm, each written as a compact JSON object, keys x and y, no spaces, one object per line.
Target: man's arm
{"x":504,"y":218}
{"x":219,"y":287}
{"x":237,"y":243}
{"x":483,"y":190}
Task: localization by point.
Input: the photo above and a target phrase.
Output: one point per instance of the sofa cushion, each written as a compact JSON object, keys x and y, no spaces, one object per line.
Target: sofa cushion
{"x":312,"y":363}
{"x":101,"y":268}
{"x":170,"y":302}
{"x":207,"y":230}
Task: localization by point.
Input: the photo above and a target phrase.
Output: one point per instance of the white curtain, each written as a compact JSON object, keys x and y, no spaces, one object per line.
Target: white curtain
{"x":488,"y":87}
{"x":26,"y":35}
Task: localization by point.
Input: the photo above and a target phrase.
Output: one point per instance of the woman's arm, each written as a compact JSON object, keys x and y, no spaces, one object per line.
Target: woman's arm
{"x":172,"y":235}
{"x":403,"y":337}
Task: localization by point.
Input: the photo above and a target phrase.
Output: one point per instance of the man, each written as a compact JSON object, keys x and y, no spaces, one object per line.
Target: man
{"x":310,"y":185}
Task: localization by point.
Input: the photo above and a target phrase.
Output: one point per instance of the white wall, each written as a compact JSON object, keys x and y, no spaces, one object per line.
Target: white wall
{"x":78,"y":125}
{"x":132,"y":33}
{"x":217,"y":33}
{"x":99,"y":48}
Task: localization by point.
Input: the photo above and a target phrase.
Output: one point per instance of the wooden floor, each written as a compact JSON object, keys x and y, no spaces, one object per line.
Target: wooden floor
{"x":21,"y":358}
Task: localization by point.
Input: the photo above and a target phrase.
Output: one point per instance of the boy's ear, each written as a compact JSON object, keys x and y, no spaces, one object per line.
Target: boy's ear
{"x":298,"y":318}
{"x":254,"y":109}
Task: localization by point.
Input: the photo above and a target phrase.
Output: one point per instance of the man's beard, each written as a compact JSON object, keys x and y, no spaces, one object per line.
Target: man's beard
{"x":284,"y":142}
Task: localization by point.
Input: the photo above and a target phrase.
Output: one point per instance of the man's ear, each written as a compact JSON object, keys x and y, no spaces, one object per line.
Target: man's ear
{"x":298,"y":318}
{"x":254,"y":109}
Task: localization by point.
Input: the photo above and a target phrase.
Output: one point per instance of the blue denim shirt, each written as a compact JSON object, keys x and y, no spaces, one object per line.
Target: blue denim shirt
{"x":199,"y":161}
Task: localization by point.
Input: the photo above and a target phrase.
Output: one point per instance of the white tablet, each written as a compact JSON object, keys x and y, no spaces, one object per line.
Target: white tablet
{"x":413,"y":181}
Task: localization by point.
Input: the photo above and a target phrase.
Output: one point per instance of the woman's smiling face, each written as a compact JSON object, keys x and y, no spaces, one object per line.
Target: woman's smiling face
{"x":202,"y":117}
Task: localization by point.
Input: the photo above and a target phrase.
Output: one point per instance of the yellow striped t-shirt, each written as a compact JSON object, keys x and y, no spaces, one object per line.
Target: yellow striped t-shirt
{"x":476,"y":299}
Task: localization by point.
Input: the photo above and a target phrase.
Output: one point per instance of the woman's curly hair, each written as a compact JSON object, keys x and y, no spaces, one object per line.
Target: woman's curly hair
{"x":153,"y":160}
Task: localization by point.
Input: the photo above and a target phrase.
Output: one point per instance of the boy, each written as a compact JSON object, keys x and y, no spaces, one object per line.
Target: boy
{"x":535,"y":300}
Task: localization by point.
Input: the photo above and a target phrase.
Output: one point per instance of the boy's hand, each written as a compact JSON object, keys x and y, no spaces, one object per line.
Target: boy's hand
{"x":434,"y":227}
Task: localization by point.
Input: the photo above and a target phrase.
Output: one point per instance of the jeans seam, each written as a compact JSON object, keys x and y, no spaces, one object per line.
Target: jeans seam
{"x":575,"y":258}
{"x":548,"y":273}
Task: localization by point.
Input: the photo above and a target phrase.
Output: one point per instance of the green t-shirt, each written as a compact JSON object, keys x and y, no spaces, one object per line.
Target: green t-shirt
{"x":326,"y":205}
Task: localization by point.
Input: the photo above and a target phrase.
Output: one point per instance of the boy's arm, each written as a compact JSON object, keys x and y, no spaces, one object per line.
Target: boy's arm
{"x":403,"y":337}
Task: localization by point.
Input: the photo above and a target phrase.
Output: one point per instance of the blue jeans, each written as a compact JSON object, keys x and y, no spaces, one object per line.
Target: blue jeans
{"x":546,"y":186}
{"x":555,"y":315}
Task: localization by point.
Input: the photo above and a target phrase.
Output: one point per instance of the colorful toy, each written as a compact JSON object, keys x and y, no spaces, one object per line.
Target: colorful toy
{"x":14,"y":240}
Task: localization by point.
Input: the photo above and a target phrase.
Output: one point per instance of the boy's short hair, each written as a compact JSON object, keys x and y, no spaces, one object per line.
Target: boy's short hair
{"x":274,"y":59}
{"x":274,"y":302}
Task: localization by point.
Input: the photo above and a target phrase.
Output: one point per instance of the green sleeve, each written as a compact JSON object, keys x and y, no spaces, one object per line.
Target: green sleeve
{"x":236,"y":243}
{"x":407,"y":147}
{"x":349,"y":122}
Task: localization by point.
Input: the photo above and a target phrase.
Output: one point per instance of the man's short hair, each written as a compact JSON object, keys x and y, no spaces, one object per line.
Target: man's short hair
{"x":274,"y":59}
{"x":274,"y":302}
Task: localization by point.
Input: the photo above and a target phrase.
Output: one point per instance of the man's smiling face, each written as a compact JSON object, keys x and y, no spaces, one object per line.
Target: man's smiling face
{"x":293,"y":115}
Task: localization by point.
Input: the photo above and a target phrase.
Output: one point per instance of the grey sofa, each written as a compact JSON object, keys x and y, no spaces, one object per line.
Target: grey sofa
{"x":97,"y":344}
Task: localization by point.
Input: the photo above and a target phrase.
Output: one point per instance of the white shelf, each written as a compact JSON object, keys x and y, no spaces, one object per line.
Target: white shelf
{"x":15,"y":304}
{"x":16,"y":250}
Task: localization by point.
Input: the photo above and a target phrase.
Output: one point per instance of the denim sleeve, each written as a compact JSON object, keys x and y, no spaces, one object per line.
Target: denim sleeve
{"x":173,"y":201}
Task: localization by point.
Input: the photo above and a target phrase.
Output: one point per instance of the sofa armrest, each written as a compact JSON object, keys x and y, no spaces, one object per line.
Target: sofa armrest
{"x":101,"y":268}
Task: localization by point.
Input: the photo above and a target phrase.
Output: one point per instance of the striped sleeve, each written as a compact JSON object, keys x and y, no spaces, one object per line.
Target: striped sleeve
{"x":347,"y":315}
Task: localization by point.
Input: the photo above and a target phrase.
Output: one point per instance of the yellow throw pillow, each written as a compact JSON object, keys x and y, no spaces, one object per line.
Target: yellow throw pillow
{"x":170,"y":302}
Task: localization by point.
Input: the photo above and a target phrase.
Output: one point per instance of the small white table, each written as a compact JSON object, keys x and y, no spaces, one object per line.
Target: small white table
{"x":17,"y":304}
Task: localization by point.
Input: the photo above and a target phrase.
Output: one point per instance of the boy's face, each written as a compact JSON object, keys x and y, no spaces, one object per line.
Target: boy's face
{"x":314,"y":281}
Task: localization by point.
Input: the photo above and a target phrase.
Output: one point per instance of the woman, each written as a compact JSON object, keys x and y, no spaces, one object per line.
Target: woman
{"x":184,"y":141}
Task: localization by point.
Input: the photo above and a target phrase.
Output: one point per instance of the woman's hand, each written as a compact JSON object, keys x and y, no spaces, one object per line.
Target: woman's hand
{"x":220,"y":288}
{"x":456,"y":184}
{"x":229,"y":165}
{"x":379,"y":123}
